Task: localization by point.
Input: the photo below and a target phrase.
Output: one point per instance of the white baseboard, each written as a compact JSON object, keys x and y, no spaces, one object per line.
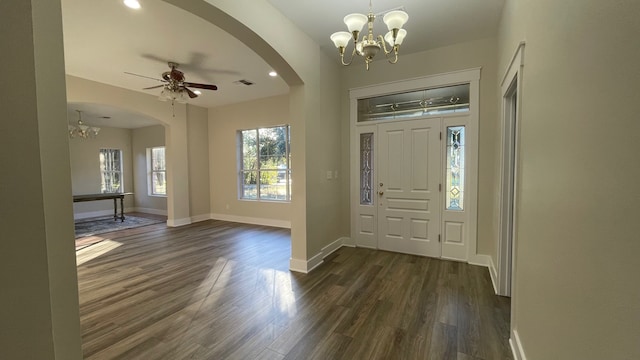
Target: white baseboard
{"x":486,"y":261}
{"x":202,"y":217}
{"x":305,"y":266}
{"x":251,"y":220}
{"x":480,"y":260}
{"x":516,"y":346}
{"x":151,"y":211}
{"x":347,"y":241}
{"x":92,"y":214}
{"x":331,"y":248}
{"x":178,"y":222}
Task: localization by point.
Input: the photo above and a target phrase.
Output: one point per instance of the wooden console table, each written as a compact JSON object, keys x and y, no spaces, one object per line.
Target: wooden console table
{"x":106,"y":196}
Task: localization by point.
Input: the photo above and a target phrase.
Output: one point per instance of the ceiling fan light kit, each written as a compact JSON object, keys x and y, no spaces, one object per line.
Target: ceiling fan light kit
{"x":369,"y":46}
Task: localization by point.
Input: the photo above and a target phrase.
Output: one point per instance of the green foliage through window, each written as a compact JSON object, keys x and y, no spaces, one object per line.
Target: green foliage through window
{"x":157,"y":171}
{"x":111,"y":170}
{"x":265,"y":164}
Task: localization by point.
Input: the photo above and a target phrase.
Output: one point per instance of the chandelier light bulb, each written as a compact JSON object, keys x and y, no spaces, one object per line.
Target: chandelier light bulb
{"x":395,"y":19}
{"x":355,"y":22}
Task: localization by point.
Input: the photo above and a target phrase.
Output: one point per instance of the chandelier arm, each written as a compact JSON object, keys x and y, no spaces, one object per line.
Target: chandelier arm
{"x":384,"y":45}
{"x":353,"y":53}
{"x":395,"y":58}
{"x":393,"y":50}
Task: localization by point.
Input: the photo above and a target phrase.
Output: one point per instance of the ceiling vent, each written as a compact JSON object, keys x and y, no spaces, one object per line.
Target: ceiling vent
{"x":243,"y":82}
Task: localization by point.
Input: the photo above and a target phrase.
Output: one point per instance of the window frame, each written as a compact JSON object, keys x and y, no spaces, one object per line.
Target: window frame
{"x":151,"y":172}
{"x":258,"y":170}
{"x":104,"y":170}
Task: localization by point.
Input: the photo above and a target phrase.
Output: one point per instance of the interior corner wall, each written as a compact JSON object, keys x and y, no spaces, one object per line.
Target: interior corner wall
{"x":224,"y":122}
{"x":141,"y":140}
{"x":575,"y":293}
{"x":324,"y":171}
{"x":198,"y":154}
{"x":85,"y":170}
{"x":474,"y":54}
{"x":39,"y":301}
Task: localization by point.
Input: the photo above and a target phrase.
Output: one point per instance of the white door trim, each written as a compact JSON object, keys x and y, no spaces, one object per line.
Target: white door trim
{"x":511,"y":84}
{"x":470,"y":76}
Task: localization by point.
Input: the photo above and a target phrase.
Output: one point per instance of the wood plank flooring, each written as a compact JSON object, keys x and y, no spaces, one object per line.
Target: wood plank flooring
{"x":219,"y":290}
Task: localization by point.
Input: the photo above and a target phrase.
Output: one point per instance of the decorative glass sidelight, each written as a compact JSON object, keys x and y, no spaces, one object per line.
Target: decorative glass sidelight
{"x":455,"y":168}
{"x":366,"y":169}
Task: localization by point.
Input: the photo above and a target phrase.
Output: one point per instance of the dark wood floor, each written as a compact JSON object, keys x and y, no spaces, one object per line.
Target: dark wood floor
{"x":219,"y":290}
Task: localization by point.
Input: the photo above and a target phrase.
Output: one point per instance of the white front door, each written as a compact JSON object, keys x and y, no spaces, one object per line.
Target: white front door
{"x":408,"y":158}
{"x":414,"y":175}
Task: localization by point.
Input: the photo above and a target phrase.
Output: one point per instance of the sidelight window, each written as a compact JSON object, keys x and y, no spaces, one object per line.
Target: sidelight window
{"x":455,"y":168}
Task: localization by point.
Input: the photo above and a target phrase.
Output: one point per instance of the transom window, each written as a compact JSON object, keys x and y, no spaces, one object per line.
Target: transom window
{"x":111,"y":171}
{"x":264,"y":160}
{"x":415,"y":104}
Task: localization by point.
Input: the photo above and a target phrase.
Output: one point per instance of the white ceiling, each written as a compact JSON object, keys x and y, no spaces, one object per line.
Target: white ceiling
{"x":103,"y":39}
{"x":432,"y":23}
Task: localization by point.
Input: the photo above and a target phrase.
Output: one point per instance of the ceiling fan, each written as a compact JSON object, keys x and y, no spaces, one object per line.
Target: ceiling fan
{"x":174,"y":85}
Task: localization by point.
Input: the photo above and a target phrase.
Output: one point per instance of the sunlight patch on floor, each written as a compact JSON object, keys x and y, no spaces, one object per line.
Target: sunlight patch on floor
{"x":91,"y":252}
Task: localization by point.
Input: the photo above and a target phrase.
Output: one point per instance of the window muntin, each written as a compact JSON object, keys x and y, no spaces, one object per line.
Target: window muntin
{"x":455,"y":168}
{"x":111,"y":171}
{"x":413,"y":104}
{"x":264,"y":164}
{"x":157,"y":170}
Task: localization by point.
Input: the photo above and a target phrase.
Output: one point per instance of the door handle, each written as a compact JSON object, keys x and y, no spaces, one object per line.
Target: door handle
{"x":380,"y":192}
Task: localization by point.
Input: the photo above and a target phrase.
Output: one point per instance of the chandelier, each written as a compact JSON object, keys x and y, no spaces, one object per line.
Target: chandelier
{"x":81,"y":130}
{"x":370,"y":45}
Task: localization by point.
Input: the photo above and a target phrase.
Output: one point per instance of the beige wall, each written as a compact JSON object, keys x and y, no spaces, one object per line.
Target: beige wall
{"x":576,"y":294}
{"x":224,"y":122}
{"x":480,"y":53}
{"x":198,"y":155}
{"x":39,"y":302}
{"x":142,"y":139}
{"x":324,"y":153}
{"x":85,"y":169}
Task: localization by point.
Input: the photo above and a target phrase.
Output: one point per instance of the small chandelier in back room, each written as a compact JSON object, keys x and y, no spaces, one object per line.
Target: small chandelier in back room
{"x":370,"y":45}
{"x":81,"y":130}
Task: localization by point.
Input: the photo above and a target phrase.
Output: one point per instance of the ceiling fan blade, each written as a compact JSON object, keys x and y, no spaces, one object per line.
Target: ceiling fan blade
{"x":152,"y":87}
{"x":191,"y":93}
{"x":146,"y":77}
{"x":201,"y":86}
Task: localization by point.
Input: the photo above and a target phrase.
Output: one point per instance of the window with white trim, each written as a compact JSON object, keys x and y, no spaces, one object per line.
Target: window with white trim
{"x":156,"y":171}
{"x":111,"y":171}
{"x":264,"y":164}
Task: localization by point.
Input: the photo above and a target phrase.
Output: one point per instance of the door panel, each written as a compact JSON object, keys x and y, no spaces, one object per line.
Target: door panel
{"x":408,"y":158}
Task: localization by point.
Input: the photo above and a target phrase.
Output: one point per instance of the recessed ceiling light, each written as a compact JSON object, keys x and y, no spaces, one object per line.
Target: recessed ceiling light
{"x":197,"y":92}
{"x":134,"y":4}
{"x":273,"y":73}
